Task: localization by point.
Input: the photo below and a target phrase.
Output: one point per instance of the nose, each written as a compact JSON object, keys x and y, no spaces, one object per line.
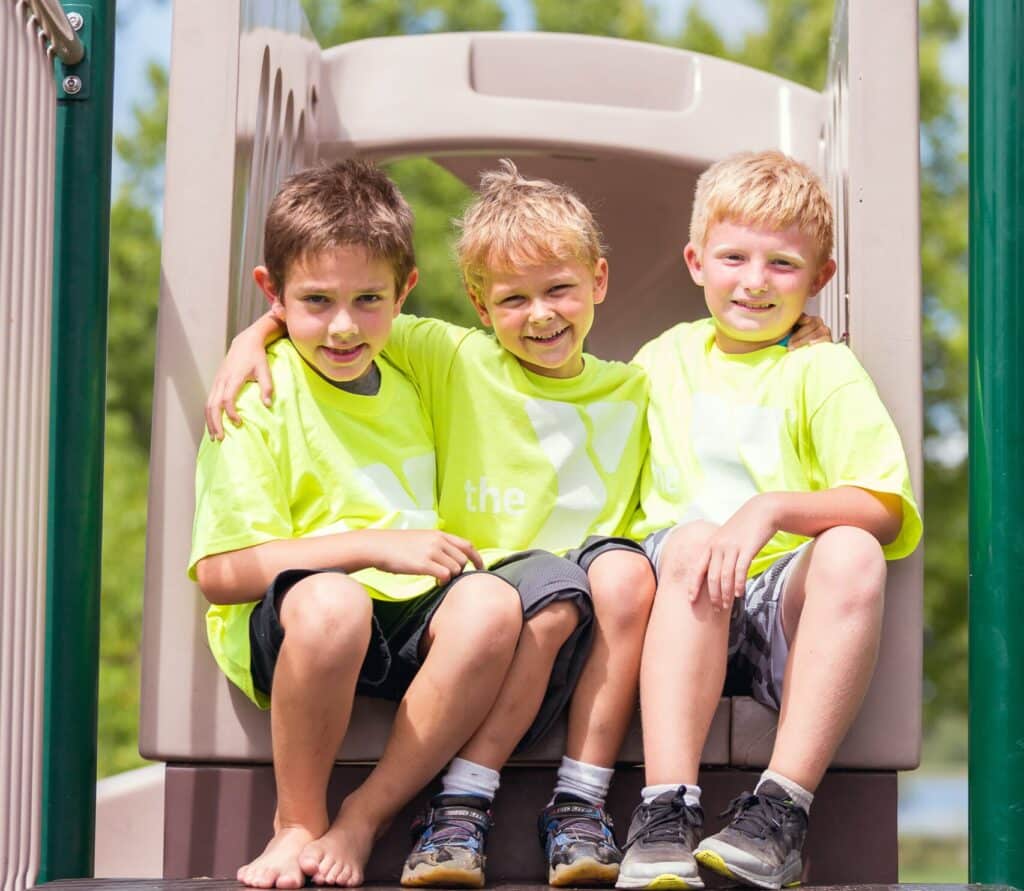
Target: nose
{"x":540,"y":311}
{"x":754,"y":281}
{"x":342,"y":324}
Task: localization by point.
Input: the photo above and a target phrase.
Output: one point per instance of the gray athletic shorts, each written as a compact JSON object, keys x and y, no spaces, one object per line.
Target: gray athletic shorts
{"x":757,"y":642}
{"x":393,"y":658}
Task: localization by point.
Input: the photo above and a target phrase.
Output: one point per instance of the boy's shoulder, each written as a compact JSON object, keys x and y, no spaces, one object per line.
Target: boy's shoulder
{"x":685,"y":338}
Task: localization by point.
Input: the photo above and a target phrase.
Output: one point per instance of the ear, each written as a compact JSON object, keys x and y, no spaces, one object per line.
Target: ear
{"x":479,"y":306}
{"x":824,"y":276}
{"x":261,"y":275}
{"x":410,"y":283}
{"x":694,"y":263}
{"x":600,"y":280}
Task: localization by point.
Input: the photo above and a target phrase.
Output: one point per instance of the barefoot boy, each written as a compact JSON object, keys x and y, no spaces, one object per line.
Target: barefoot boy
{"x":316,"y":537}
{"x":776,"y":490}
{"x":538,"y":445}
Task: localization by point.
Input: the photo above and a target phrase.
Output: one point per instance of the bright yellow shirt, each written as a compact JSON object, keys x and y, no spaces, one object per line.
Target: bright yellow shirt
{"x":525,"y":461}
{"x":725,"y":427}
{"x":319,"y":460}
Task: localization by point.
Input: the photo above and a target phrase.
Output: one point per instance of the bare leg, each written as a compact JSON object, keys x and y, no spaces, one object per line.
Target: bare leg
{"x":523,"y":690}
{"x":471,"y":640}
{"x":326,"y":619}
{"x":832,"y":614}
{"x":683,"y":666}
{"x":622,"y":587}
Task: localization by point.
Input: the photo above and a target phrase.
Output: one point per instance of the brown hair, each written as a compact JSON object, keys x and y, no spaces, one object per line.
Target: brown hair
{"x":516,"y":222}
{"x":763,"y":188}
{"x":335,"y":205}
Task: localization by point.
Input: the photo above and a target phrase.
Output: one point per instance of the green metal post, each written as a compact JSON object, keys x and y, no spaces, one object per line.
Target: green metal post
{"x":78,"y":373}
{"x":996,"y":441}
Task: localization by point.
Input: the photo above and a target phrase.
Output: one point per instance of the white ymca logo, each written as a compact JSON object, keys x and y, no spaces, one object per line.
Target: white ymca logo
{"x":563,"y":437}
{"x":731,"y":444}
{"x":405,"y":508}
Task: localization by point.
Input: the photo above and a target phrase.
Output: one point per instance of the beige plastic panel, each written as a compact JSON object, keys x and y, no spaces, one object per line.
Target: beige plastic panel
{"x":241,"y":116}
{"x":27,"y":140}
{"x":872,"y":157}
{"x":465,"y":100}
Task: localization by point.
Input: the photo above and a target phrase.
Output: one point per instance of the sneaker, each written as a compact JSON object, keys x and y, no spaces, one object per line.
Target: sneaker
{"x":579,"y":844}
{"x":449,"y":843}
{"x":761,"y":845}
{"x":659,"y":850}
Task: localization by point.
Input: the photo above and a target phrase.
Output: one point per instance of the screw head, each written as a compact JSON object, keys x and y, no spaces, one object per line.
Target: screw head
{"x":72,"y":84}
{"x":75,"y":20}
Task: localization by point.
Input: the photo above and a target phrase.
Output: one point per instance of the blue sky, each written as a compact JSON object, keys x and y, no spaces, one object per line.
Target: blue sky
{"x":144,"y":34}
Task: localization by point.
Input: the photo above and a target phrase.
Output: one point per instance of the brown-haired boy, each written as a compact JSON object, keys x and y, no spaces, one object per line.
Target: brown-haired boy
{"x":776,"y":489}
{"x":316,"y":538}
{"x":538,"y":445}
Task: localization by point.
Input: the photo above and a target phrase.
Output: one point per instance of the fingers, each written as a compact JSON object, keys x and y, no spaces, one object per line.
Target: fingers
{"x":696,"y":575}
{"x":264,"y":382}
{"x":466,"y":549}
{"x":714,"y":577}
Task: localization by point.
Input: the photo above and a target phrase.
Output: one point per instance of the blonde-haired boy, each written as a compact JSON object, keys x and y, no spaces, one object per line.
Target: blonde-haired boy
{"x":776,"y":489}
{"x":539,"y":445}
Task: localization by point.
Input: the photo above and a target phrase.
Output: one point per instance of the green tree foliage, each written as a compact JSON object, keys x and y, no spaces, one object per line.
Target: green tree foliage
{"x":792,"y":42}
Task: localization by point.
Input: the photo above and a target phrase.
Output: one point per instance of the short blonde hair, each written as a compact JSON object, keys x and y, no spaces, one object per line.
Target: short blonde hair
{"x":515,"y":222}
{"x":765,"y":188}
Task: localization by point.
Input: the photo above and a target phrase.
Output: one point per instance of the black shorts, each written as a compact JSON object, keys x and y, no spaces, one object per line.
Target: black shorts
{"x":596,"y":545}
{"x":393,"y":658}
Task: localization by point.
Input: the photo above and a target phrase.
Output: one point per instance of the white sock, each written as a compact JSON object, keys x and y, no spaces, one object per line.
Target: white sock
{"x":691,"y":794}
{"x":465,"y":777}
{"x":587,"y":782}
{"x":801,"y":797}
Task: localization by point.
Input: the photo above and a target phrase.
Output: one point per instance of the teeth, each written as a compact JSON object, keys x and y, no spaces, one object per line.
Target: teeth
{"x":548,"y":337}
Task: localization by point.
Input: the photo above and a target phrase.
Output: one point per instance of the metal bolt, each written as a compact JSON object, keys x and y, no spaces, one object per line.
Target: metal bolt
{"x":75,"y":20}
{"x":72,"y":84}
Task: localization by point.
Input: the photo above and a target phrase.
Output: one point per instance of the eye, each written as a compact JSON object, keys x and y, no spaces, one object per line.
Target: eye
{"x":560,"y":289}
{"x":369,"y":299}
{"x":316,"y":299}
{"x":511,"y":300}
{"x":784,"y":263}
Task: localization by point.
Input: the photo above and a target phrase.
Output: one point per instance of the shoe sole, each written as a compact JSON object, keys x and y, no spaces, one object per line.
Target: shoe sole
{"x":427,"y":876}
{"x":585,"y":871}
{"x":665,"y":880}
{"x":713,"y":860}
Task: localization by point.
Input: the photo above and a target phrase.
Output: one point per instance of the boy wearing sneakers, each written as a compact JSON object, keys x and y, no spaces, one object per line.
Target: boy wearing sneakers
{"x":776,"y":489}
{"x":538,"y":445}
{"x":316,"y":537}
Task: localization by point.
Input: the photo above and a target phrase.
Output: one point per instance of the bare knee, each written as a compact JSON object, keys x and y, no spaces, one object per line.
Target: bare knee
{"x":481,"y":611}
{"x":327,"y":614}
{"x":622,"y":586}
{"x":850,"y":570}
{"x":551,"y":626}
{"x":680,"y":548}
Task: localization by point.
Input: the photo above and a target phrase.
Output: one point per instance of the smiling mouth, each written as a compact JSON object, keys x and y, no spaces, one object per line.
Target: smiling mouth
{"x":336,"y":354}
{"x":753,"y":307}
{"x":548,"y":338}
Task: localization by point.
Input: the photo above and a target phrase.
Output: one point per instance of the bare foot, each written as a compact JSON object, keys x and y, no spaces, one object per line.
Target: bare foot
{"x":278,"y":865}
{"x":339,"y":856}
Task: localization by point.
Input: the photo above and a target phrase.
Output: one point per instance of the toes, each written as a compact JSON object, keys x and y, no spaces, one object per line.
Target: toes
{"x":310,"y":858}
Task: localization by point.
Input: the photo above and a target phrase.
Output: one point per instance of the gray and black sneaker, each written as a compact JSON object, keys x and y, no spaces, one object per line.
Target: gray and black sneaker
{"x":659,"y":850}
{"x":449,"y":843}
{"x":579,"y":844}
{"x":762,"y":843}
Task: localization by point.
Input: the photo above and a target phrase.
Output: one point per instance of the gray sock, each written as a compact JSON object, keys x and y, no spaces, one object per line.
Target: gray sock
{"x":801,"y":797}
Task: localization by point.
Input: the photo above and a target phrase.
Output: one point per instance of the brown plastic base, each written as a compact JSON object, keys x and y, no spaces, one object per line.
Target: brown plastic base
{"x":217,"y":818}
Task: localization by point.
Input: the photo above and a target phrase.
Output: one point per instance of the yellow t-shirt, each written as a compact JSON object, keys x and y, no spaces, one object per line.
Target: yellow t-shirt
{"x":319,"y":460}
{"x":725,"y":427}
{"x":525,"y":461}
